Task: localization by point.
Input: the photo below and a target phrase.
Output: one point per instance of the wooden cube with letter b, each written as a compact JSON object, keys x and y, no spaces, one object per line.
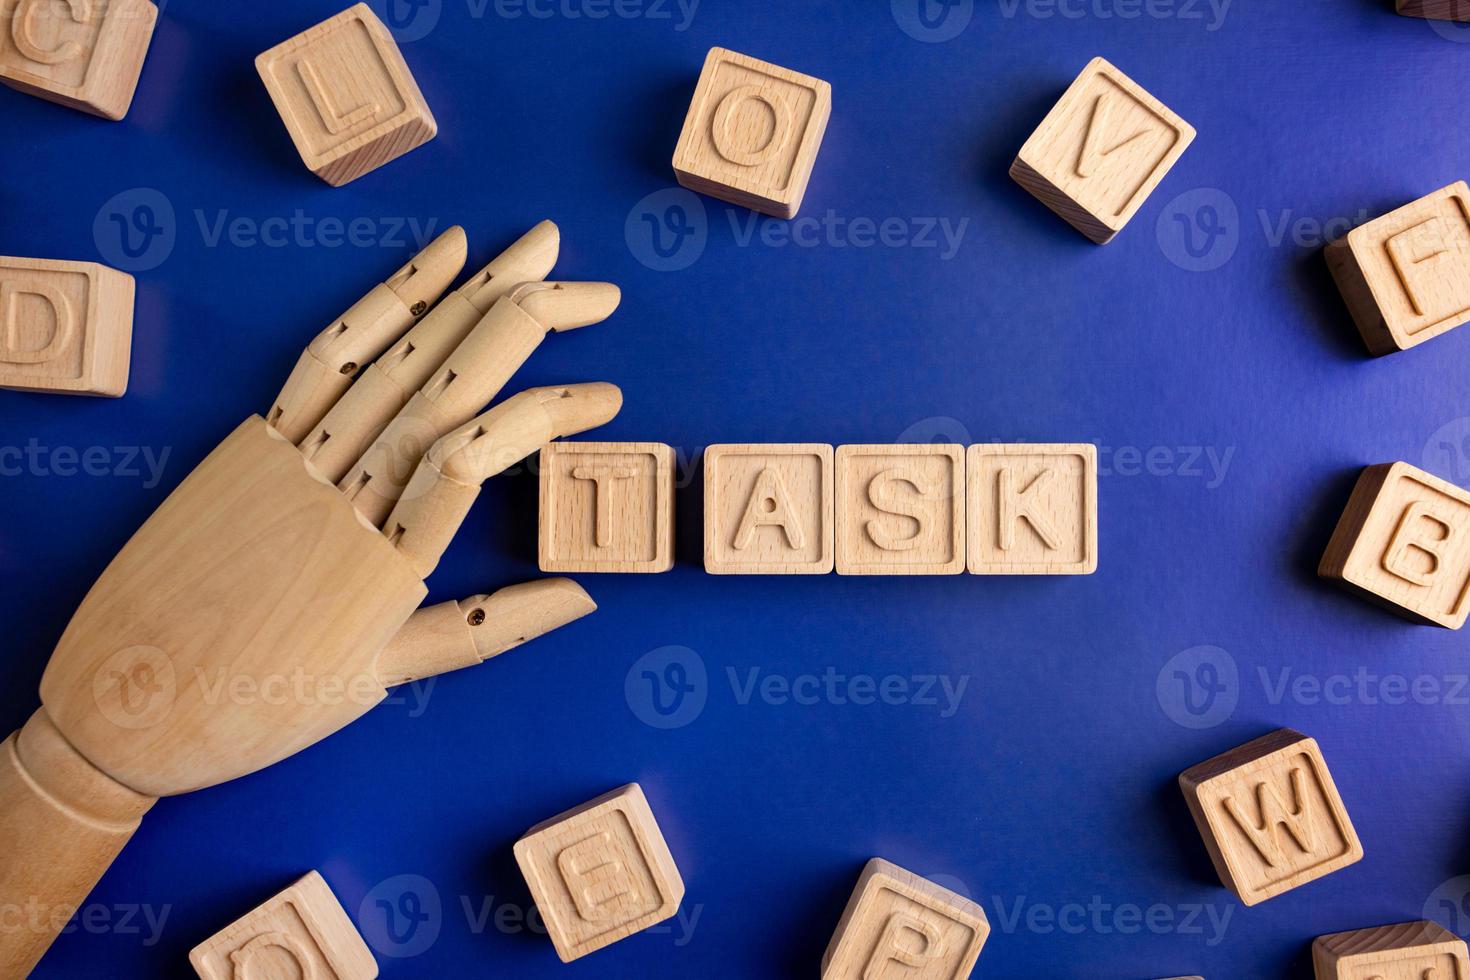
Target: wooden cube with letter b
{"x":1032,"y":509}
{"x":346,"y":96}
{"x":897,"y":924}
{"x":1270,"y":816}
{"x":600,"y":872}
{"x":768,"y":509}
{"x":607,"y":507}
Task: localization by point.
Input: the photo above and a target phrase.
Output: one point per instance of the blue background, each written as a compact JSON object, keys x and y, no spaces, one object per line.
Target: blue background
{"x":1052,"y":787}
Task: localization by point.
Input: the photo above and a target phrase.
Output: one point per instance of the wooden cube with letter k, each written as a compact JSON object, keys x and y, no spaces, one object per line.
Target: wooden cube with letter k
{"x":1032,"y":509}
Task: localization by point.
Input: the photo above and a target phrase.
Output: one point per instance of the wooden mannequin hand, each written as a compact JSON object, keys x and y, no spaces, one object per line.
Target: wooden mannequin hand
{"x":271,"y":599}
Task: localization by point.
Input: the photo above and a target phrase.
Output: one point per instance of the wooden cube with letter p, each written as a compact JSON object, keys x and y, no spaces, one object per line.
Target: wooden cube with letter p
{"x":607,"y":507}
{"x":752,"y":133}
{"x":83,"y":54}
{"x":1032,"y":509}
{"x":1406,"y":276}
{"x":900,"y":510}
{"x":1411,"y":950}
{"x":1404,"y":542}
{"x":65,"y":327}
{"x":600,"y":872}
{"x":1101,"y":151}
{"x":1270,"y":816}
{"x":768,"y":509}
{"x":346,"y":96}
{"x":897,"y":924}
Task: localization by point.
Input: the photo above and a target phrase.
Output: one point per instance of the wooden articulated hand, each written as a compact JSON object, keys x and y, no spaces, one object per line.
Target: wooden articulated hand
{"x":295,"y":555}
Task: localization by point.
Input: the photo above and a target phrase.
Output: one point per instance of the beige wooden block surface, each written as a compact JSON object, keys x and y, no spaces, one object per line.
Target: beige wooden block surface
{"x":346,"y":96}
{"x":607,"y":507}
{"x":752,"y":133}
{"x":1101,"y":151}
{"x":1270,"y":816}
{"x":84,"y":55}
{"x":1408,"y":951}
{"x":898,"y":926}
{"x":1436,"y":9}
{"x":65,"y":327}
{"x":301,"y":934}
{"x":900,"y":510}
{"x":1404,"y":542}
{"x":1406,"y":276}
{"x":1032,"y":509}
{"x":768,"y":509}
{"x":600,"y":872}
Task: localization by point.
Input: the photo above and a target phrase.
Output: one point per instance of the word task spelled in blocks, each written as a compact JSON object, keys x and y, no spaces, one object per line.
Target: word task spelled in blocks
{"x":1032,"y":509}
{"x":600,"y":872}
{"x":1101,"y":151}
{"x":80,"y":54}
{"x":1409,"y":951}
{"x":302,"y":932}
{"x":1270,"y":816}
{"x":1406,"y":276}
{"x":752,"y":133}
{"x":1436,"y":9}
{"x":768,"y":509}
{"x":347,"y":96}
{"x":1404,"y":542}
{"x":607,"y":507}
{"x":900,"y":510}
{"x":897,"y":924}
{"x":65,"y":327}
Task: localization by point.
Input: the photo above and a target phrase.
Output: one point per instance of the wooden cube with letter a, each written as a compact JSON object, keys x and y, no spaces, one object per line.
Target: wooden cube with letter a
{"x":1406,"y":276}
{"x":1404,"y":542}
{"x":1410,"y":950}
{"x":900,"y":510}
{"x":897,"y":924}
{"x":65,"y":327}
{"x":302,"y":932}
{"x":347,"y":96}
{"x":83,"y":54}
{"x":1032,"y":509}
{"x":1101,"y":151}
{"x":768,"y":509}
{"x":1270,"y":816}
{"x":607,"y":507}
{"x":752,"y":133}
{"x":600,"y":872}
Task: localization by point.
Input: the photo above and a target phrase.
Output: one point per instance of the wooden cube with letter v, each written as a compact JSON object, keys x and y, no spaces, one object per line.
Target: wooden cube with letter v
{"x":1406,"y":276}
{"x":1270,"y":816}
{"x":1032,"y":509}
{"x":1404,"y":542}
{"x":600,"y":872}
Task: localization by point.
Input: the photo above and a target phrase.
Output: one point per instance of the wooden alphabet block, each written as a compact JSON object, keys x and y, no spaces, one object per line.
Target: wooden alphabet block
{"x":1406,"y":276}
{"x":1409,"y":951}
{"x":1101,"y":151}
{"x":1436,"y":9}
{"x":1032,"y":509}
{"x":607,"y":507}
{"x":900,"y":510}
{"x":347,"y":96}
{"x":600,"y":872}
{"x":752,"y":133}
{"x":1270,"y":816}
{"x":80,"y":54}
{"x":65,"y":327}
{"x":897,"y":924}
{"x":302,"y":932}
{"x":768,"y":509}
{"x":1404,"y":542}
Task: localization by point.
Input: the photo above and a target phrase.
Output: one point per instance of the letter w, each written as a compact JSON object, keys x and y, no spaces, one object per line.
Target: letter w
{"x":1275,"y":814}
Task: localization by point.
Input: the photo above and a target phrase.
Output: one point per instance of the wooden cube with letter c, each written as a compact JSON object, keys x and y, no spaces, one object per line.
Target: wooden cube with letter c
{"x":83,"y":54}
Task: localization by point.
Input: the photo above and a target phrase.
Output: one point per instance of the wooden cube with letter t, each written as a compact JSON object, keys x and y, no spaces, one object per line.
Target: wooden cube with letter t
{"x":607,"y":507}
